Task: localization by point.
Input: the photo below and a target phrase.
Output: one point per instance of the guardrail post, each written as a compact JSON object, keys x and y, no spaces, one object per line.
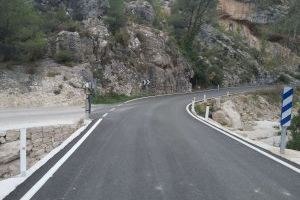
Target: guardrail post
{"x":193,"y":104}
{"x":207,"y":112}
{"x":23,"y":161}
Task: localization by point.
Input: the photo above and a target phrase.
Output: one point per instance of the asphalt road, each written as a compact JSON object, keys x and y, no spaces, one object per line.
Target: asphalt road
{"x":152,"y":149}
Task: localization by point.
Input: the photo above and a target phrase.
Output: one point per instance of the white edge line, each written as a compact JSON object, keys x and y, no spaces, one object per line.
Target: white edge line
{"x":44,"y":160}
{"x":112,"y":109}
{"x":105,"y":115}
{"x":50,"y":173}
{"x":201,"y":119}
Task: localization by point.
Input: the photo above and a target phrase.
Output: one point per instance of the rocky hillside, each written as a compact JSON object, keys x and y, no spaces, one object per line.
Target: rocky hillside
{"x":118,"y":44}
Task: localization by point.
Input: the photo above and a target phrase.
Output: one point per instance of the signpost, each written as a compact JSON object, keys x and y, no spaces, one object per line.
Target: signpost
{"x":286,"y":115}
{"x":146,"y":82}
{"x":88,"y":92}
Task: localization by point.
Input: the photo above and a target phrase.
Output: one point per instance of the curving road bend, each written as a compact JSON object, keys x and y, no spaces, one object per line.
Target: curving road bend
{"x":152,"y":149}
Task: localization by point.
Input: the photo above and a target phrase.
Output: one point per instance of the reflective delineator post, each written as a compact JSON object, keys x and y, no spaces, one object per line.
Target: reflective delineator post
{"x":286,"y":115}
{"x":283,"y":139}
{"x":23,"y":162}
{"x":193,"y":104}
{"x":204,"y":98}
{"x":207,"y":112}
{"x":218,"y":88}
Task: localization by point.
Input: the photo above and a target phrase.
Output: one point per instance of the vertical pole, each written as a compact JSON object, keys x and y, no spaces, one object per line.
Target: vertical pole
{"x":227,"y":93}
{"x":23,"y":162}
{"x":204,"y":98}
{"x":283,"y":139}
{"x":193,"y":105}
{"x":218,"y":88}
{"x":90,"y":103}
{"x":207,"y":112}
{"x":87,"y":115}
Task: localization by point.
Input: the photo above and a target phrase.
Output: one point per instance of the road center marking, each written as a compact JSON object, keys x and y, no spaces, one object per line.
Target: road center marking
{"x":51,"y":172}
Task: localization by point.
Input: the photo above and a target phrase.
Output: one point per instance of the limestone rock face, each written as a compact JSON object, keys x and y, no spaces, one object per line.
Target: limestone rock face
{"x":95,"y":41}
{"x":148,"y":56}
{"x":250,"y":10}
{"x":69,"y":41}
{"x":78,"y":9}
{"x":50,"y":84}
{"x":141,"y":9}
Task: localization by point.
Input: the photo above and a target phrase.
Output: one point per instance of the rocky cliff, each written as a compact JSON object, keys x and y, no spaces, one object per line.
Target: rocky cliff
{"x":120,"y":62}
{"x":245,"y":17}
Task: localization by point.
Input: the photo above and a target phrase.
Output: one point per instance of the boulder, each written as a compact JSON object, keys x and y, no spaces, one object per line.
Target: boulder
{"x":229,"y":108}
{"x":9,"y":151}
{"x":221,"y":117}
{"x":141,"y":9}
{"x":12,"y":135}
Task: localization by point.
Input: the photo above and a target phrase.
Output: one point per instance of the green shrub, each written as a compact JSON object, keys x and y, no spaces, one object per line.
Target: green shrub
{"x":64,"y":57}
{"x":283,"y":79}
{"x":21,"y":37}
{"x":294,"y":143}
{"x":200,"y":109}
{"x":111,"y":98}
{"x":116,"y":17}
{"x":122,"y":37}
{"x":57,"y":20}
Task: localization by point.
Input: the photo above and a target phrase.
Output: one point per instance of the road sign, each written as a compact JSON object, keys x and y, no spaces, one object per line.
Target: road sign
{"x":286,"y":110}
{"x":146,"y":82}
{"x":286,"y":115}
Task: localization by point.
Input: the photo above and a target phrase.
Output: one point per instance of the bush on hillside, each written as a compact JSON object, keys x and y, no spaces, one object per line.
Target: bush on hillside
{"x":116,"y":18}
{"x":21,"y":37}
{"x":64,"y":57}
{"x":295,"y":130}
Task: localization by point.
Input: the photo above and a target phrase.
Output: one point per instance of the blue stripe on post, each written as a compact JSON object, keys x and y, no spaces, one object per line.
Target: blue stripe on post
{"x":287,"y":94}
{"x":286,"y":107}
{"x":285,"y":120}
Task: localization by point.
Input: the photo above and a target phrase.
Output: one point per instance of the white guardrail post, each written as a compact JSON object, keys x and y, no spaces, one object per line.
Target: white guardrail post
{"x":23,"y":161}
{"x":207,"y":112}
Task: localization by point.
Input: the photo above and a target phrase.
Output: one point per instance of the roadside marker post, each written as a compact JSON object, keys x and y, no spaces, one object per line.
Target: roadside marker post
{"x":88,"y":92}
{"x":207,"y":112}
{"x":204,"y":98}
{"x":218,"y":88}
{"x":286,"y":115}
{"x":23,"y":162}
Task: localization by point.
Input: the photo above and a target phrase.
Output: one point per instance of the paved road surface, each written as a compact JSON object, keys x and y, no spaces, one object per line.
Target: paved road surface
{"x":152,"y":149}
{"x":15,"y":118}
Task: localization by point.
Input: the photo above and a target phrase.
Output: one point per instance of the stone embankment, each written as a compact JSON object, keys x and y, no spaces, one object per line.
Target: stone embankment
{"x":40,"y":141}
